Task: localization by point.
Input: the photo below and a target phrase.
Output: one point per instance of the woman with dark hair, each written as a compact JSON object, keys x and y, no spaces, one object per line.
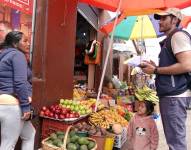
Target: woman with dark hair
{"x":14,"y":93}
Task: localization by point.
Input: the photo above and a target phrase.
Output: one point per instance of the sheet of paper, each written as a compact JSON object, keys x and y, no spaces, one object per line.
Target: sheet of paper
{"x":135,"y":61}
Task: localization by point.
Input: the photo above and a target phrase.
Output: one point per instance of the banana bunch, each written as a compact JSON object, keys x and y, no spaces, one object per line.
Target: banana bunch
{"x":78,"y":93}
{"x":146,"y":93}
{"x":99,"y":121}
{"x":105,"y":118}
{"x":88,"y":102}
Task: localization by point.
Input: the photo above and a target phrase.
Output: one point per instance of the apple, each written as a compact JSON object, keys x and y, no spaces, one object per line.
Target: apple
{"x":51,"y":114}
{"x":81,"y":107}
{"x":77,"y":115}
{"x":62,"y":101}
{"x":57,"y":111}
{"x":76,"y":108}
{"x":47,"y":112}
{"x":82,"y":112}
{"x":68,"y":110}
{"x":51,"y":107}
{"x":64,"y":111}
{"x":41,"y":113}
{"x":56,"y":116}
{"x":68,"y":115}
{"x":72,"y":115}
{"x":61,"y":116}
{"x":44,"y":108}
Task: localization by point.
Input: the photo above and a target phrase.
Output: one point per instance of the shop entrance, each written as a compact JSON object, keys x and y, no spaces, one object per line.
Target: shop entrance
{"x":84,"y":34}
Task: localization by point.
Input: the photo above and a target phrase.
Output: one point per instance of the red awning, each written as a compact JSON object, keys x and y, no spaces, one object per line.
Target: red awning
{"x":137,"y":5}
{"x":25,"y":6}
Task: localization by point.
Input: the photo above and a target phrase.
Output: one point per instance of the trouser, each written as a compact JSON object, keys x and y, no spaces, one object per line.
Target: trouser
{"x":12,"y":127}
{"x":174,"y":113}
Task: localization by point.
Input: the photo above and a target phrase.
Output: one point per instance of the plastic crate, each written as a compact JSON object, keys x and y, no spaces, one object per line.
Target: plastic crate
{"x":49,"y":126}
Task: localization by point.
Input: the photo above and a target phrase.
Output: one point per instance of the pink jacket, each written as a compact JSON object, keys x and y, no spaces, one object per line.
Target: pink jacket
{"x":142,"y":133}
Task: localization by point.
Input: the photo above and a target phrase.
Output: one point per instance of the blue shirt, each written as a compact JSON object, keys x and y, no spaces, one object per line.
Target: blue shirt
{"x":13,"y":76}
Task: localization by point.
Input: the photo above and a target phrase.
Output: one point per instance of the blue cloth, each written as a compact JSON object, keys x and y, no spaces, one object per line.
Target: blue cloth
{"x":13,"y":76}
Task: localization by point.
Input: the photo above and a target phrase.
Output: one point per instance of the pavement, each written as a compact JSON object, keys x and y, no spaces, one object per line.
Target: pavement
{"x":162,"y":140}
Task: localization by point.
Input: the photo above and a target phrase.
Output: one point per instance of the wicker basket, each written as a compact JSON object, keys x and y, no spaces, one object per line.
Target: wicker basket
{"x":47,"y":146}
{"x":66,"y":136}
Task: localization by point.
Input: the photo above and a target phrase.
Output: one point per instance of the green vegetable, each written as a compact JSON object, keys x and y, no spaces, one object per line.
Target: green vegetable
{"x":53,"y":136}
{"x":71,"y":146}
{"x":83,"y":141}
{"x":83,"y":147}
{"x":91,"y":145}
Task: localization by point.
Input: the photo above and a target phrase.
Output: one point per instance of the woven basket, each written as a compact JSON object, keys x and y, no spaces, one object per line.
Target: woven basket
{"x":66,"y":136}
{"x":47,"y":146}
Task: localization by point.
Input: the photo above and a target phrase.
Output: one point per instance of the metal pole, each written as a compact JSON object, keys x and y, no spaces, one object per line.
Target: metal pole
{"x":107,"y":56}
{"x":33,"y":28}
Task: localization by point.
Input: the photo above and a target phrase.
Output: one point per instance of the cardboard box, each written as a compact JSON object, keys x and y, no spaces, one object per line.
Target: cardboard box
{"x":121,"y":138}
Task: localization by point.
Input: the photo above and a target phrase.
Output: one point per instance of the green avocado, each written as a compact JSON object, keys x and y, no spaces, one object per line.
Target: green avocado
{"x":49,"y":141}
{"x":53,"y":136}
{"x":91,"y":145}
{"x":82,"y":141}
{"x":57,"y":142}
{"x":77,"y":145}
{"x":59,"y":133}
{"x":60,"y":137}
{"x":71,"y":146}
{"x":83,"y":147}
{"x":72,"y":133}
{"x":74,"y":138}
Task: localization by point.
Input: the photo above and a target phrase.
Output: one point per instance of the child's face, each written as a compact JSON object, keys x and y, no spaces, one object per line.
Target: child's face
{"x":141,"y":108}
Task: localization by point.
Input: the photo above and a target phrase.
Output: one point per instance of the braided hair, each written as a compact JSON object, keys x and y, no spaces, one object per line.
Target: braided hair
{"x":11,"y":40}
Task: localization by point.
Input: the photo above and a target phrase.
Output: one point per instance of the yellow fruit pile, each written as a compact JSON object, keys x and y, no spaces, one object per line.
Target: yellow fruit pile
{"x":105,"y":118}
{"x":78,"y":93}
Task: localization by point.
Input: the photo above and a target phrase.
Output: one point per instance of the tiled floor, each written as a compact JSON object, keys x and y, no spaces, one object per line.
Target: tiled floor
{"x":162,"y":141}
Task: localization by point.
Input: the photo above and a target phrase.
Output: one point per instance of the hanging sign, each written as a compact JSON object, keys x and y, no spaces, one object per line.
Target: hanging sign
{"x":25,"y":6}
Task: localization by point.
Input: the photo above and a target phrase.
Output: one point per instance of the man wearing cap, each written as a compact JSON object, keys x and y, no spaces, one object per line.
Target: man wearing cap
{"x":172,"y":77}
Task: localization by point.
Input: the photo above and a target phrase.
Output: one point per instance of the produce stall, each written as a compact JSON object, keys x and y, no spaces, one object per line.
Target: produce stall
{"x":106,"y":128}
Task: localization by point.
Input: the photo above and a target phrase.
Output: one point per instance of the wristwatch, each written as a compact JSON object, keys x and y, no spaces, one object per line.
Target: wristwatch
{"x":156,"y":70}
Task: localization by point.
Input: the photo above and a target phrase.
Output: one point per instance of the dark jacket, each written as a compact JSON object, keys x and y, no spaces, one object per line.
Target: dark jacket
{"x":13,"y":76}
{"x":169,"y":85}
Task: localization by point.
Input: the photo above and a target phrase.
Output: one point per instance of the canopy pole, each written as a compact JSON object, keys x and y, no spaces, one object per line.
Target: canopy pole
{"x":107,"y":56}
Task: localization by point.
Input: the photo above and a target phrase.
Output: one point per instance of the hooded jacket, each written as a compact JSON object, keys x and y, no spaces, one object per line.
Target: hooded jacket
{"x":13,"y":76}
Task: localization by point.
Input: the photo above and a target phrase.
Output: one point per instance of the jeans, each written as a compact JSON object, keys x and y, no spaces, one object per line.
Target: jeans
{"x":12,"y":127}
{"x":174,"y":113}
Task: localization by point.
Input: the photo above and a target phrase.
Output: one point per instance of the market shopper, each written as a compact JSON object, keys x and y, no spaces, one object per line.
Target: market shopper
{"x":172,"y":77}
{"x":142,"y":129}
{"x":14,"y":93}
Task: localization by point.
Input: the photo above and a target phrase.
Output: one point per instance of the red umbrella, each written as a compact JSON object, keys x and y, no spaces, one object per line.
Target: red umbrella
{"x":184,"y":23}
{"x":137,"y":7}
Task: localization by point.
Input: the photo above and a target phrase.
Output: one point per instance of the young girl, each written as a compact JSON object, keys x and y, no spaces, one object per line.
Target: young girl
{"x":142,"y":129}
